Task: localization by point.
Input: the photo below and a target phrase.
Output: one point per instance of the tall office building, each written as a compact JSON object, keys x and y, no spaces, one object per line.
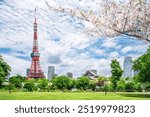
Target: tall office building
{"x":51,"y":72}
{"x":27,"y":71}
{"x":69,"y":75}
{"x":127,"y":67}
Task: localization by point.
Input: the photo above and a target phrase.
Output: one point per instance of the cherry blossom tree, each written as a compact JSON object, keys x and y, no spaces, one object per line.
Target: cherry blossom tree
{"x":116,"y":17}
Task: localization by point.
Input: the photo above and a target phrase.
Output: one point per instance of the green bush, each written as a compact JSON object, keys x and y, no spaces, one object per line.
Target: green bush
{"x":129,"y":87}
{"x":43,"y":84}
{"x":146,"y":86}
{"x":29,"y":86}
{"x":138,"y":86}
{"x":83,"y":83}
{"x":10,"y":86}
{"x":17,"y":80}
{"x":92,"y":86}
{"x":61,"y":83}
{"x":121,"y":85}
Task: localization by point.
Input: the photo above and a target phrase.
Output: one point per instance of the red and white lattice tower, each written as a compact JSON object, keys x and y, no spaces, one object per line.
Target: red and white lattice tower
{"x":35,"y":69}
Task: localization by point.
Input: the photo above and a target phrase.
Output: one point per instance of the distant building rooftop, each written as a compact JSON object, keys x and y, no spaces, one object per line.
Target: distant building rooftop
{"x":92,"y":74}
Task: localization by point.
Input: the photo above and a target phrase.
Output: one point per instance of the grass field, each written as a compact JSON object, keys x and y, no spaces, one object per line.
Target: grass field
{"x":73,"y":96}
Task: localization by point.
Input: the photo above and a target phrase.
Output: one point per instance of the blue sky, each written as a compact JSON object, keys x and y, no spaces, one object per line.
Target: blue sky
{"x":62,"y":42}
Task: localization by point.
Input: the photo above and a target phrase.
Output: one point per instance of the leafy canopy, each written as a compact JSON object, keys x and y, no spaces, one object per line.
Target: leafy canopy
{"x":142,"y":65}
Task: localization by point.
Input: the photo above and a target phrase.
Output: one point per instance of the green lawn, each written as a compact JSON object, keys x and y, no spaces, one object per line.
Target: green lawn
{"x":73,"y":96}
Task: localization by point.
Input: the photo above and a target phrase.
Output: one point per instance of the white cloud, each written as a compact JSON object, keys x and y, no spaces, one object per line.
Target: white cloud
{"x":18,"y":66}
{"x":126,"y":49}
{"x":114,"y":55}
{"x":109,"y":43}
{"x":98,"y":51}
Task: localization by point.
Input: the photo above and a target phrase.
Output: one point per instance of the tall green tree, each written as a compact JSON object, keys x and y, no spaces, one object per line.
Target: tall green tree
{"x":116,"y":72}
{"x":142,"y":65}
{"x":4,"y":70}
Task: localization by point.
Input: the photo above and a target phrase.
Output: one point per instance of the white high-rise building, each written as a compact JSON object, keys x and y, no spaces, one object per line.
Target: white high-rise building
{"x":51,"y":72}
{"x":127,"y":67}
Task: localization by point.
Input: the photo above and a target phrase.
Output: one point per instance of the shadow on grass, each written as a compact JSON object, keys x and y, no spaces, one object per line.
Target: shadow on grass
{"x":135,"y":95}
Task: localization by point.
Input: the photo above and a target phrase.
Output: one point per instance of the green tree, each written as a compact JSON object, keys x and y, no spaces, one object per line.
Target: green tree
{"x":43,"y":84}
{"x":83,"y":83}
{"x":4,"y":70}
{"x":116,"y":72}
{"x":73,"y":83}
{"x":1,"y":81}
{"x":93,"y":84}
{"x":29,"y":85}
{"x":121,"y":85}
{"x":101,"y":81}
{"x":142,"y":65}
{"x":130,"y":87}
{"x":17,"y":80}
{"x":61,"y":82}
{"x":10,"y":87}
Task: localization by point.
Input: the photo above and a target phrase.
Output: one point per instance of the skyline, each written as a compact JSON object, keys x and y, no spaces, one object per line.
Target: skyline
{"x":61,"y":41}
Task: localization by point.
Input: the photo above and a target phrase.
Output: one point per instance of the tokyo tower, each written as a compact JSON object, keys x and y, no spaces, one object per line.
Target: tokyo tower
{"x":35,"y":69}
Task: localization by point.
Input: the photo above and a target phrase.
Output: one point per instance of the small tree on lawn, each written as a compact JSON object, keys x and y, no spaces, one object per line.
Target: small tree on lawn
{"x":83,"y":83}
{"x":29,"y":85}
{"x":43,"y":84}
{"x":61,"y":82}
{"x":116,"y":73}
{"x":17,"y":80}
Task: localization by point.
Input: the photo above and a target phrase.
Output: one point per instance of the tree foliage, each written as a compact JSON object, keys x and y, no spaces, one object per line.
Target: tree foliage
{"x":121,"y":85}
{"x":61,"y":82}
{"x":4,"y":68}
{"x":130,"y":87}
{"x":1,"y":81}
{"x":129,"y":17}
{"x":101,"y":81}
{"x":43,"y":84}
{"x":142,"y":65}
{"x":17,"y":80}
{"x":29,"y":85}
{"x":116,"y":73}
{"x":83,"y":83}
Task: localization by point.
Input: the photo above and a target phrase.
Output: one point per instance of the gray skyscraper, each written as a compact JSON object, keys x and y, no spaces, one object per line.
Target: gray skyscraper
{"x":51,"y":72}
{"x":27,"y":71}
{"x":127,"y":67}
{"x":69,"y":74}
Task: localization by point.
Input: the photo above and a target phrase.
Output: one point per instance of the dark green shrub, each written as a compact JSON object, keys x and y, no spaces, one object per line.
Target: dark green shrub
{"x":29,"y":86}
{"x":129,"y":87}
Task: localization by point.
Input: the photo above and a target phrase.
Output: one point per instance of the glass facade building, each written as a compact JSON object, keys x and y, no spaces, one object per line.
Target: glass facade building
{"x":127,"y":67}
{"x":51,"y":72}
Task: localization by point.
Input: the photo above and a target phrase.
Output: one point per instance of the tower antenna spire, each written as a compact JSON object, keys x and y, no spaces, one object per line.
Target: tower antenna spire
{"x":35,"y":15}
